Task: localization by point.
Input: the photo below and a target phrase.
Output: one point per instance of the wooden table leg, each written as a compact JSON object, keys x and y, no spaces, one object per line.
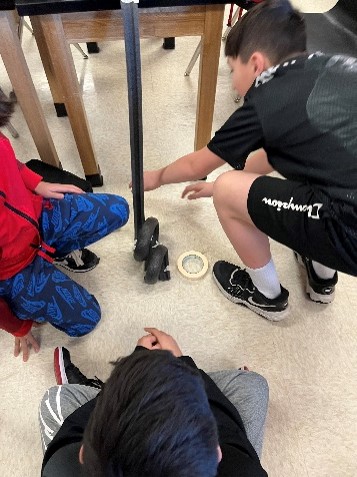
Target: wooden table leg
{"x":207,"y":82}
{"x":17,"y":69}
{"x":61,"y":60}
{"x":54,"y":85}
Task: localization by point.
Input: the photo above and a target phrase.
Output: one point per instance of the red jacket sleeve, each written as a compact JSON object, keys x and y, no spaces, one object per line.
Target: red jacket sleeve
{"x":30,"y":178}
{"x":10,"y":323}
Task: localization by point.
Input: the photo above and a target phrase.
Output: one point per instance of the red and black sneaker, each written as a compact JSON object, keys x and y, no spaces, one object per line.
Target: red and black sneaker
{"x":67,"y":373}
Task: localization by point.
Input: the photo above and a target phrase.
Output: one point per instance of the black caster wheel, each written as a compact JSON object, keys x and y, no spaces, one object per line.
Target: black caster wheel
{"x":147,"y":237}
{"x":156,"y":255}
{"x":157,"y":265}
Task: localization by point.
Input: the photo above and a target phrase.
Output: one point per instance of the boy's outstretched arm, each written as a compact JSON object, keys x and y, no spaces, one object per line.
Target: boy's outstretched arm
{"x":191,"y":167}
{"x":257,"y":162}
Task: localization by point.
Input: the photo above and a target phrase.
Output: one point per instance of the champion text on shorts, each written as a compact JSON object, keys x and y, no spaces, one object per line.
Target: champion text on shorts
{"x":312,"y":209}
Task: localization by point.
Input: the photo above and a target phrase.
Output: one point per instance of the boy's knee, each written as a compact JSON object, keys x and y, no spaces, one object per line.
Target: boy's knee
{"x":119,"y":208}
{"x":230,"y":194}
{"x":87,"y":320}
{"x":260,"y":385}
{"x":90,"y":319}
{"x":223,"y":186}
{"x":223,"y":181}
{"x":43,"y":403}
{"x":219,"y":191}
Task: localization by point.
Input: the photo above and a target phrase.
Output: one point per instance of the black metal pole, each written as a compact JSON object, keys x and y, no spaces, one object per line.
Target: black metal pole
{"x":133,"y":64}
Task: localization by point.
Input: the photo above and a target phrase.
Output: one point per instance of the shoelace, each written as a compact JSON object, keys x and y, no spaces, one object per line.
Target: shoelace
{"x":94,"y":382}
{"x":76,"y":255}
{"x":242,"y":282}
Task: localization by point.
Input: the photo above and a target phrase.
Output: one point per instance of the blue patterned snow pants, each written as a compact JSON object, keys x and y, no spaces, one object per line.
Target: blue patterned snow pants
{"x":41,"y":292}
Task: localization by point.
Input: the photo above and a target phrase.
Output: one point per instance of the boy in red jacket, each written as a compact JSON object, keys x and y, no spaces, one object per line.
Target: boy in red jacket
{"x":40,"y":221}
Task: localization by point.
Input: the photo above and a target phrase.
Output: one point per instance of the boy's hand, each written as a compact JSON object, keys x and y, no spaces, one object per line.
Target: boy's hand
{"x":56,"y":191}
{"x":24,"y":344}
{"x":198,"y":190}
{"x":164,"y":341}
{"x":149,"y":342}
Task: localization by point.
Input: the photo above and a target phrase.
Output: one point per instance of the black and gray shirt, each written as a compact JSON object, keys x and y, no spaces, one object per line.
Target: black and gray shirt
{"x":304,"y":114}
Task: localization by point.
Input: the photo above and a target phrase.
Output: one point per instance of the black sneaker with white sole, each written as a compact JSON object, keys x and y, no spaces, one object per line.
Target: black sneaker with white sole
{"x":67,"y":373}
{"x":78,"y":261}
{"x":318,"y":289}
{"x":236,"y":285}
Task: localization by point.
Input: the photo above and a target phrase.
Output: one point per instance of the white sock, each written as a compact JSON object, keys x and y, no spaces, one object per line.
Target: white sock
{"x":323,"y":272}
{"x":266,"y":280}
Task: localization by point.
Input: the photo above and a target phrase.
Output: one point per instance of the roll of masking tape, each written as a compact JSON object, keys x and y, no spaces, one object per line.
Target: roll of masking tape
{"x":192,"y":265}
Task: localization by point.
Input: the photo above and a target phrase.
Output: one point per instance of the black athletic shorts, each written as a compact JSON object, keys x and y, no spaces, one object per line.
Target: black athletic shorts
{"x":306,"y":220}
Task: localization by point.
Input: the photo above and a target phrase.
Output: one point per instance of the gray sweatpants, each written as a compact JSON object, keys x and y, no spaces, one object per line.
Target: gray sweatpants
{"x":247,"y":391}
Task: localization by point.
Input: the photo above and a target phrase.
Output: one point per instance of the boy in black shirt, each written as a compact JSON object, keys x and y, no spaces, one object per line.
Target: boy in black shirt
{"x":157,"y":415}
{"x":299,"y":118}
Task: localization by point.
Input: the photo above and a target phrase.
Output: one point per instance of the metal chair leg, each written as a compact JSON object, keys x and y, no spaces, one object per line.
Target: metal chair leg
{"x":82,"y":52}
{"x":12,"y":130}
{"x":20,"y":29}
{"x":27,"y":25}
{"x":23,"y":23}
{"x":193,"y":59}
{"x":238,"y":13}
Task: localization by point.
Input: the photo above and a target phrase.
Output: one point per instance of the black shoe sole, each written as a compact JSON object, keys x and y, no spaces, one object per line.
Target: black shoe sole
{"x":321,"y":299}
{"x":70,"y":269}
{"x":318,"y":297}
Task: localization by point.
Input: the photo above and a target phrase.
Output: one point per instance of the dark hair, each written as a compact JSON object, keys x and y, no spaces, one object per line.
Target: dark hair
{"x":272,"y":27}
{"x":152,"y":419}
{"x":6,"y":109}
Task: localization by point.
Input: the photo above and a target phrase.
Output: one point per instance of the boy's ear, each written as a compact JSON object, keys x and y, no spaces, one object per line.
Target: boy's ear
{"x":259,"y":62}
{"x":219,"y":453}
{"x":80,"y":456}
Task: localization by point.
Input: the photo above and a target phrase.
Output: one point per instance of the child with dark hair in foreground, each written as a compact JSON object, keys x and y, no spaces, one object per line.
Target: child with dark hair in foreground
{"x":156,"y":416}
{"x":40,"y":221}
{"x":299,"y":119}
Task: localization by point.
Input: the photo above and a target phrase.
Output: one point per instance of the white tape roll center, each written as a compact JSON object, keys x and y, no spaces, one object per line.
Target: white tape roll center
{"x":192,"y":264}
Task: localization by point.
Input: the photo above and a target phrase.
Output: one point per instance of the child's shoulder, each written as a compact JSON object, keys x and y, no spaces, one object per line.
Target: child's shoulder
{"x":7,"y":152}
{"x":323,"y":64}
{"x":4,"y":141}
{"x":292,"y":67}
{"x":335,"y":79}
{"x":276,"y":71}
{"x":314,"y":66}
{"x":341,"y":64}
